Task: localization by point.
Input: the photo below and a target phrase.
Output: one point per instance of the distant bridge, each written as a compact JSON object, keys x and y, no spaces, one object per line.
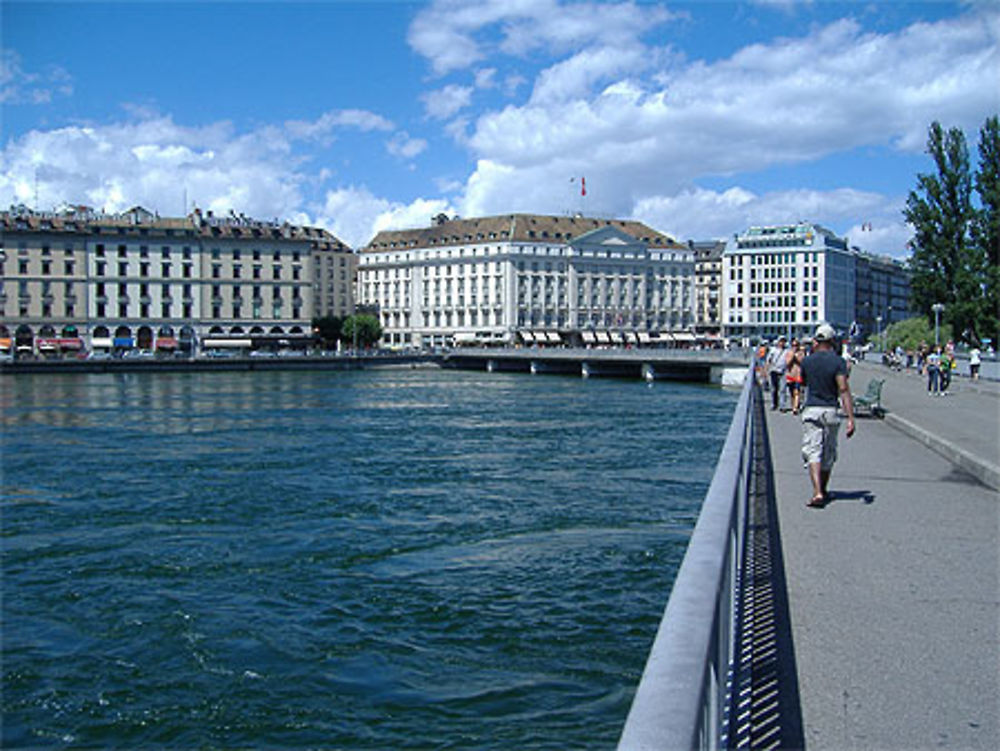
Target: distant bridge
{"x":706,"y":366}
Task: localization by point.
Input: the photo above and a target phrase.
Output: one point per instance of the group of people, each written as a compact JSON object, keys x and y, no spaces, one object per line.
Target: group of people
{"x":823,"y":373}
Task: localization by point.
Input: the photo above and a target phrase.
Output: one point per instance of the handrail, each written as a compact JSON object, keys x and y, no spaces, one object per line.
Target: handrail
{"x":680,"y":702}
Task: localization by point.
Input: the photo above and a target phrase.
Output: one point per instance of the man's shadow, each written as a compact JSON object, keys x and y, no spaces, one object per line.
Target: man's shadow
{"x":867,"y":497}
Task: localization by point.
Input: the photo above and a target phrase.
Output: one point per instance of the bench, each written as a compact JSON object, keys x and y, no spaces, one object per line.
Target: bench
{"x":871,"y":400}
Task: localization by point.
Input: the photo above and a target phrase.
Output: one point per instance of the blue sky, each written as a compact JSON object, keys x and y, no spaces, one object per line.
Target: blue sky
{"x":698,"y":118}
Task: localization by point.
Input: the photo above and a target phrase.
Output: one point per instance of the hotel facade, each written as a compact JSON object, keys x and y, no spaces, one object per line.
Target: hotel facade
{"x":80,"y":279}
{"x":528,"y":279}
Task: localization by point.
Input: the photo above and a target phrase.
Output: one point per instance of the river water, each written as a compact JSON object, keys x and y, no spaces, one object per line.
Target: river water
{"x":406,"y":558}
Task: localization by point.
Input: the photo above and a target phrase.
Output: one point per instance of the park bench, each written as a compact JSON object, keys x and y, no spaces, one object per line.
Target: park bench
{"x":871,"y":400}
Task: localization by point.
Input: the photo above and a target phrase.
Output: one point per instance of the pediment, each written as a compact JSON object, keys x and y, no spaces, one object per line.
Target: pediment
{"x":607,"y":237}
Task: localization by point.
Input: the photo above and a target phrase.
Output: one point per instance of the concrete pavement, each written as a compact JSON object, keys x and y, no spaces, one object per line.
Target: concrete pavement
{"x":894,"y":598}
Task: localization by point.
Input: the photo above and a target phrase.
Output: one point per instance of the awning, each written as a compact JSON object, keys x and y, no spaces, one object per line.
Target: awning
{"x":209,"y":343}
{"x":6,"y":342}
{"x":552,"y":336}
{"x":604,"y":336}
{"x":69,"y":343}
{"x":122,"y":341}
{"x":683,"y":336}
{"x":166,"y":342}
{"x":588,"y":337}
{"x":631,"y":336}
{"x":47,"y":344}
{"x":527,"y":336}
{"x":101,"y":341}
{"x":464,"y":337}
{"x":644,"y":337}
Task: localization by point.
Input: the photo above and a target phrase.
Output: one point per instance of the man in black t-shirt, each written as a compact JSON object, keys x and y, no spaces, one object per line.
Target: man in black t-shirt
{"x":824,"y":374}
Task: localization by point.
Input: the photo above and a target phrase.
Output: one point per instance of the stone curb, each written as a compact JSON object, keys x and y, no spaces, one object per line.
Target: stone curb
{"x":984,"y":471}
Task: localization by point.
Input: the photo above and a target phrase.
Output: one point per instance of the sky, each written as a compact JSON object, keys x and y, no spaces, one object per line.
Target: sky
{"x":698,"y":118}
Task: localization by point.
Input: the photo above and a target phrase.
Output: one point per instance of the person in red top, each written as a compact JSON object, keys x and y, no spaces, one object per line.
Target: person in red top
{"x":824,"y":374}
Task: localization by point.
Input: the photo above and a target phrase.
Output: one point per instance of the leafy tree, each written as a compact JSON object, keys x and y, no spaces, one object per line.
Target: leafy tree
{"x":947,"y":266}
{"x":327,"y":328}
{"x":912,"y":332}
{"x":368,"y":329}
{"x":986,"y":227}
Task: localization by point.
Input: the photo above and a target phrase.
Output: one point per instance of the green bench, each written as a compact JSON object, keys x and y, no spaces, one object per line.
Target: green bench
{"x":871,"y":400}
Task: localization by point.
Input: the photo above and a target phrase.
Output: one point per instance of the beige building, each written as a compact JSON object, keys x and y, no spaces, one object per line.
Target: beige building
{"x":78,"y":279}
{"x":528,"y":279}
{"x":708,"y":285}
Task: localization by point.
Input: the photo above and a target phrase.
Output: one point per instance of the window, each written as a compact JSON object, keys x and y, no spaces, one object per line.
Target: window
{"x":123,"y":268}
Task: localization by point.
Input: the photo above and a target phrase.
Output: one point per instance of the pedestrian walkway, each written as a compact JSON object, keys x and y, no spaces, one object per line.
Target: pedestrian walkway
{"x":894,"y":598}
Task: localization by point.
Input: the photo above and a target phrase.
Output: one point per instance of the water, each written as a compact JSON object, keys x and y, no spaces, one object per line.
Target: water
{"x":381,"y":559}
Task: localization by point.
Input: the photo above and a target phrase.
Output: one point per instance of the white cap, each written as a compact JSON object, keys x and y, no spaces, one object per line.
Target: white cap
{"x":824,"y":333}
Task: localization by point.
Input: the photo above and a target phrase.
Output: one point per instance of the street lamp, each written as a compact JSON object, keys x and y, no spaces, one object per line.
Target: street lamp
{"x":937,"y":308}
{"x":878,"y":335}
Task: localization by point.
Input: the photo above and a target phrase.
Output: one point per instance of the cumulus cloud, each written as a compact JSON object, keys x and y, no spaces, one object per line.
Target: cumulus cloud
{"x":788,"y":101}
{"x":322,"y":127}
{"x":402,"y":145}
{"x":456,"y":34}
{"x":443,"y":103}
{"x":153,"y":162}
{"x":355,"y":215}
{"x":698,"y":213}
{"x":19,"y":86}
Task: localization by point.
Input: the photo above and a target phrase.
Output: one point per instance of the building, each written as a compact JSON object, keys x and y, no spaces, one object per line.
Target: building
{"x":708,"y":286}
{"x":528,"y":279}
{"x":882,"y":294}
{"x":784,"y":280}
{"x":79,"y":278}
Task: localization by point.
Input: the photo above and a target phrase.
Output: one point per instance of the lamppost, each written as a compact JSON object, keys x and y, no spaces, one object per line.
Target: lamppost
{"x":878,"y":335}
{"x":937,"y":308}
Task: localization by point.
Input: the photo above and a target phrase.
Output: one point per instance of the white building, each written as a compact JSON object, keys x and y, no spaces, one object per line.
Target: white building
{"x":524,"y":278}
{"x":784,"y":280}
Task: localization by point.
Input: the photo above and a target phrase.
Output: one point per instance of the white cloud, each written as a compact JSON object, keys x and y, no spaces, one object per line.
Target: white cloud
{"x":789,"y":101}
{"x":322,"y":127}
{"x":443,"y":103}
{"x":18,"y":86}
{"x":702,"y":214}
{"x":402,"y":145}
{"x":153,"y":162}
{"x":355,"y":215}
{"x":456,"y":34}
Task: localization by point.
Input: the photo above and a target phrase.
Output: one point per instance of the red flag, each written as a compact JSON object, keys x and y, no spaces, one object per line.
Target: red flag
{"x":583,"y":186}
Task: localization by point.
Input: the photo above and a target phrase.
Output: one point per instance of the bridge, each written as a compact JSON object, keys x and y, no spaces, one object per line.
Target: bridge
{"x":708,"y":366}
{"x":870,"y":623}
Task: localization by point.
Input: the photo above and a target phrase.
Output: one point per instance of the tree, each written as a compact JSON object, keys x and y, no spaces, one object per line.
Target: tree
{"x":912,"y":332}
{"x":986,"y":226}
{"x":327,"y":328}
{"x":368,"y":329}
{"x":949,"y":263}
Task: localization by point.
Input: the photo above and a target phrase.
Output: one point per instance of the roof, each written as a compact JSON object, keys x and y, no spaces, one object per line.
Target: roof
{"x":513,"y":228}
{"x":82,"y":219}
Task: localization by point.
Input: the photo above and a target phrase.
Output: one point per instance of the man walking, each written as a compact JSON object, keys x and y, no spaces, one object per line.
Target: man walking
{"x":776,"y":366}
{"x":824,"y":374}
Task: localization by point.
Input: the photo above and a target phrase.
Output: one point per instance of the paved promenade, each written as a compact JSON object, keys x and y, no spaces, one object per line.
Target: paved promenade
{"x":893,"y":587}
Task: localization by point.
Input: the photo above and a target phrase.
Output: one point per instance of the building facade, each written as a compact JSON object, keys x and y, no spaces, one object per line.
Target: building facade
{"x":785,"y":279}
{"x":708,"y":286}
{"x":78,"y":279}
{"x":531,"y":279}
{"x":883,"y":295}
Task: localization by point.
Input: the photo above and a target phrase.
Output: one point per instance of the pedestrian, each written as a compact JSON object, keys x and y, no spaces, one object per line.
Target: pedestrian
{"x":793,"y":375}
{"x":824,"y":374}
{"x":975,"y":359}
{"x":947,"y":363}
{"x":932,"y":364}
{"x":776,"y":371}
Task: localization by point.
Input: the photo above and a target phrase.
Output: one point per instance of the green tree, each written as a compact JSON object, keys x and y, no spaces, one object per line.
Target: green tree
{"x":946,"y":264}
{"x":368,"y":329}
{"x":327,"y":328}
{"x":912,"y":332}
{"x":986,"y":226}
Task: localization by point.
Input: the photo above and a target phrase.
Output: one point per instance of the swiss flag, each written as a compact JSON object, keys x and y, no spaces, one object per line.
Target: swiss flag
{"x":583,"y":186}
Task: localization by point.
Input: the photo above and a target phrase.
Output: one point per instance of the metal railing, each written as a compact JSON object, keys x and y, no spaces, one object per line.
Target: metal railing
{"x":681,"y":701}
